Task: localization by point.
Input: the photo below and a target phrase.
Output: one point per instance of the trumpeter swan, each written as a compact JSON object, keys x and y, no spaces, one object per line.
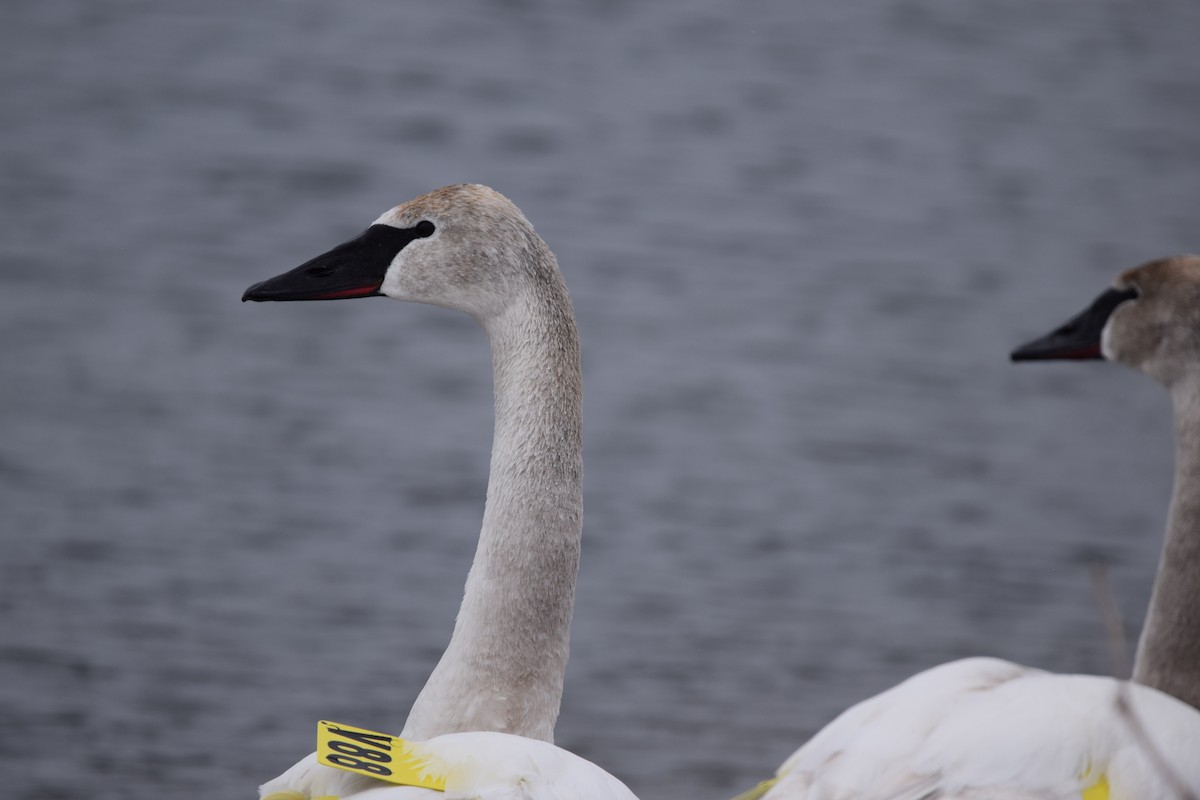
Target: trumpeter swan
{"x":469,"y":248}
{"x":984,"y":728}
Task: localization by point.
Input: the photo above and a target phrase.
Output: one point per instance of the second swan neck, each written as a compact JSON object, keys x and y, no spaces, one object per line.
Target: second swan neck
{"x":1168,"y":655}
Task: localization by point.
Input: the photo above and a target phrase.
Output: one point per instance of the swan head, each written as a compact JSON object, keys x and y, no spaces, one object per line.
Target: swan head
{"x":1148,"y":320}
{"x":465,"y":247}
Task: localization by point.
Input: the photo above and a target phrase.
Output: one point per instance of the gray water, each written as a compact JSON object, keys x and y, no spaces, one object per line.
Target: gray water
{"x":801,"y":239}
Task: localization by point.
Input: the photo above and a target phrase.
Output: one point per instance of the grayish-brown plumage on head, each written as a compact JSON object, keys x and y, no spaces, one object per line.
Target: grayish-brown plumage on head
{"x":460,"y":267}
{"x":1158,"y":332}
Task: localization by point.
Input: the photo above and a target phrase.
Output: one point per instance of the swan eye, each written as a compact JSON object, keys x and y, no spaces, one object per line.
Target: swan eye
{"x":424,"y":229}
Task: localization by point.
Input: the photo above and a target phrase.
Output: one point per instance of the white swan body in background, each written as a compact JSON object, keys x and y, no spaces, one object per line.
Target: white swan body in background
{"x":985,"y":728}
{"x":469,"y":248}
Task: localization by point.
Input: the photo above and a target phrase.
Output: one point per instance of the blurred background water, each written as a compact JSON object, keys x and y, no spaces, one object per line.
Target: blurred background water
{"x":801,"y":239}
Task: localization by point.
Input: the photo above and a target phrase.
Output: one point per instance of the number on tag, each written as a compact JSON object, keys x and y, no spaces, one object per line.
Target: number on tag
{"x":377,"y":755}
{"x":354,"y":749}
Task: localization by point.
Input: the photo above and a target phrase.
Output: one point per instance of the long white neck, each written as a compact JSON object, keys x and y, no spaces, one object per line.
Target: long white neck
{"x":503,"y":669}
{"x":1168,"y":656}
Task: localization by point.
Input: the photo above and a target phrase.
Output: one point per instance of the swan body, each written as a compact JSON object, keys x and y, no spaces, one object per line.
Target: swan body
{"x":469,"y":248}
{"x":983,"y":728}
{"x":477,"y":765}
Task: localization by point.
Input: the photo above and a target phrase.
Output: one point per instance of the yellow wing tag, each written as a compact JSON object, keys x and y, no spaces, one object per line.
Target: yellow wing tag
{"x":378,"y":755}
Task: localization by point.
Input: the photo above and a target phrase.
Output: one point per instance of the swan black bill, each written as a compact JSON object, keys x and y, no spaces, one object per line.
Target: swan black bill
{"x":1078,"y":339}
{"x":352,"y":269}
